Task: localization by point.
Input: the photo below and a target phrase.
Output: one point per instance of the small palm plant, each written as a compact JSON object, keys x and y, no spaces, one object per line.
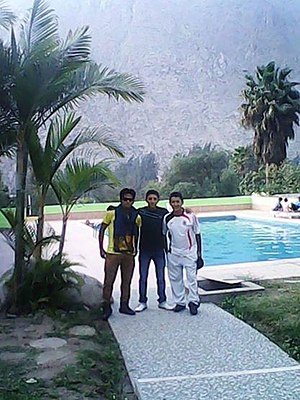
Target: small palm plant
{"x":77,"y":179}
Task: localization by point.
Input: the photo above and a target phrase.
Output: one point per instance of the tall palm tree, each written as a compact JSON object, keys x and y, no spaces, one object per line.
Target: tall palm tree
{"x":271,"y":107}
{"x":41,"y":75}
{"x":77,"y":179}
{"x":47,"y":159}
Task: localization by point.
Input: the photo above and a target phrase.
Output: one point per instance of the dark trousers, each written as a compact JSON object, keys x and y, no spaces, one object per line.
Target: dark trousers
{"x":158,"y":256}
{"x":111,"y":266}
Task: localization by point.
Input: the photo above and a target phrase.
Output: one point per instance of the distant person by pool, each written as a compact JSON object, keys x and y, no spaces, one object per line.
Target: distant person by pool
{"x":278,"y":206}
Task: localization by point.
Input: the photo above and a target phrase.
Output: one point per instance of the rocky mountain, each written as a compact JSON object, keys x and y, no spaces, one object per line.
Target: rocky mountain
{"x":191,"y":55}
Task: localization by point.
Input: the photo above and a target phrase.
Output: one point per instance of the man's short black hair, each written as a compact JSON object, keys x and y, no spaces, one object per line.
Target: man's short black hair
{"x":127,"y":191}
{"x":176,"y":194}
{"x":152,"y":191}
{"x":280,"y":199}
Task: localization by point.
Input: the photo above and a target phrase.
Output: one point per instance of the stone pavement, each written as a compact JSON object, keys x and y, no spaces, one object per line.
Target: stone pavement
{"x":211,"y":356}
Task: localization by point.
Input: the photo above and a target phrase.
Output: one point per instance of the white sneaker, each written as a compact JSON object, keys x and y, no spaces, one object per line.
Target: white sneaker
{"x":140,"y":307}
{"x":165,"y":306}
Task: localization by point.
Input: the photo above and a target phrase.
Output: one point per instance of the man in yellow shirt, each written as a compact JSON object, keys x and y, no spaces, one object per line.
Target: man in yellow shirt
{"x":123,"y":228}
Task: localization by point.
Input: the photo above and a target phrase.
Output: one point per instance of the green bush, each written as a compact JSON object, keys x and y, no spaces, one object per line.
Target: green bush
{"x":45,"y":284}
{"x":282,"y":179}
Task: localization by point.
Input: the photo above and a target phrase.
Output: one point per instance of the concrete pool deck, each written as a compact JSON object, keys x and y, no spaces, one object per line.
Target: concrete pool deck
{"x":212,"y":356}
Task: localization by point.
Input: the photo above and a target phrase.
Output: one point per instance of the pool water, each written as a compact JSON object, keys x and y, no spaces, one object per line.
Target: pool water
{"x":233,"y":240}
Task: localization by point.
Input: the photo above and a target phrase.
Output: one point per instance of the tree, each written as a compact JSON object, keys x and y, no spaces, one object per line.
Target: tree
{"x":271,"y":107}
{"x":201,"y":174}
{"x":47,"y":159}
{"x":242,"y":160}
{"x":78,"y":178}
{"x":284,"y":178}
{"x":40,"y":75}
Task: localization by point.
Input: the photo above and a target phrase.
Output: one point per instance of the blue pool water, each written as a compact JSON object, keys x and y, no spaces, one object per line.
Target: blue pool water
{"x":233,"y":240}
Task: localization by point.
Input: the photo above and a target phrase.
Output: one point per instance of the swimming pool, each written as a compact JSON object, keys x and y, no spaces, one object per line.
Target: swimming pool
{"x":231,"y":240}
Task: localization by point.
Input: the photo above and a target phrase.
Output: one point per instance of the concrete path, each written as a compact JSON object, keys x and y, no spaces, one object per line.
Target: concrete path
{"x":211,"y":356}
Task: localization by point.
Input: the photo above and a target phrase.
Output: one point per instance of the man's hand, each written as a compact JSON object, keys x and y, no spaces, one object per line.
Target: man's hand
{"x":102,"y":253}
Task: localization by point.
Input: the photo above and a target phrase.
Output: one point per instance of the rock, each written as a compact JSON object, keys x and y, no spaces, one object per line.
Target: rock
{"x":48,"y":343}
{"x":90,"y":294}
{"x":3,"y":286}
{"x":11,"y":356}
{"x":82,"y":330}
{"x":55,"y":357}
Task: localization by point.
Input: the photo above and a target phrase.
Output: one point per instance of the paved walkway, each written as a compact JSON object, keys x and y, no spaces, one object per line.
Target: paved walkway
{"x":211,"y":356}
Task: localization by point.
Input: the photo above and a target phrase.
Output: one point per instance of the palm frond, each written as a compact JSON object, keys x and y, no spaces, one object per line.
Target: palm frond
{"x":7,"y":17}
{"x":39,"y":32}
{"x":89,"y":80}
{"x":77,"y":46}
{"x":78,"y":178}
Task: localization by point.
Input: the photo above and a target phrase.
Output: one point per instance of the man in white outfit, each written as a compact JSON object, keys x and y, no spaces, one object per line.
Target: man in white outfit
{"x":184,"y":252}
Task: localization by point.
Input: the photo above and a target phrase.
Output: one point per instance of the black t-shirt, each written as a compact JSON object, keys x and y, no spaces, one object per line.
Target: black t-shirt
{"x":151,"y":237}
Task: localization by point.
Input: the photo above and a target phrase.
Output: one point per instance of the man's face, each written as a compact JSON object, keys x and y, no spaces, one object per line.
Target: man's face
{"x":176,"y":203}
{"x":152,"y":200}
{"x":127,"y":200}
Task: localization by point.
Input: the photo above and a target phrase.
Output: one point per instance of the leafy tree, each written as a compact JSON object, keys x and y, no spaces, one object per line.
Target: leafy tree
{"x":200,"y":174}
{"x":242,"y":160}
{"x":271,"y":107}
{"x":41,"y":74}
{"x":284,"y":178}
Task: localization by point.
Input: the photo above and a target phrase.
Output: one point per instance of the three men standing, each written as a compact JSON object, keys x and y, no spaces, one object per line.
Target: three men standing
{"x":184,"y":251}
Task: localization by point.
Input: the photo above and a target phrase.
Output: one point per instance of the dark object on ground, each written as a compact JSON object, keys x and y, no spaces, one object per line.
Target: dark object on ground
{"x":179,"y":308}
{"x":193,"y":308}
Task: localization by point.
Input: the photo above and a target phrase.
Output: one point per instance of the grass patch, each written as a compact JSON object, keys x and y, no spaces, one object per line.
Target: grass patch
{"x":13,"y":385}
{"x":274,"y":312}
{"x":99,"y":372}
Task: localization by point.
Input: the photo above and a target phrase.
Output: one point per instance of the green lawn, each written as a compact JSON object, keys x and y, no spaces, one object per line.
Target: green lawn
{"x":274,"y":312}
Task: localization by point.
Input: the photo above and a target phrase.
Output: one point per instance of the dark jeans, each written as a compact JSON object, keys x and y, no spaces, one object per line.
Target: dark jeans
{"x":158,"y":256}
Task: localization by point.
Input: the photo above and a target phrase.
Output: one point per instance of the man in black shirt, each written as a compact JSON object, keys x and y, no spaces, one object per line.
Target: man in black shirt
{"x":152,"y":247}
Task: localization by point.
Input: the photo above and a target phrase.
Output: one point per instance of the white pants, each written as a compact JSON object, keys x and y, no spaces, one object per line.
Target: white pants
{"x":175,"y":265}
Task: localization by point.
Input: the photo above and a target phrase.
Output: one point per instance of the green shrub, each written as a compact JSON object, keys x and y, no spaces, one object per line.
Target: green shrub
{"x":45,"y":284}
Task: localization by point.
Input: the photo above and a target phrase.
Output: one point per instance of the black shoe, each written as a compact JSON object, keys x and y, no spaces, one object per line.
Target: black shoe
{"x":106,"y":311}
{"x":193,"y":308}
{"x":179,"y":308}
{"x":125,"y":309}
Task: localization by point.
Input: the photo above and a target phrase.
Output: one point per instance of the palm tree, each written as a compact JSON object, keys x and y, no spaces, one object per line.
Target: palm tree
{"x":47,"y":160}
{"x":40,"y":75}
{"x":77,"y":179}
{"x":271,"y":107}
